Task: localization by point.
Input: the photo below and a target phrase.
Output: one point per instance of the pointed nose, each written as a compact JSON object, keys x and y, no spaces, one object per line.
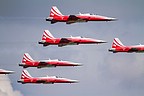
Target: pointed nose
{"x":102,"y":41}
{"x":12,"y":72}
{"x":112,"y":19}
{"x":74,"y":81}
{"x":77,"y":64}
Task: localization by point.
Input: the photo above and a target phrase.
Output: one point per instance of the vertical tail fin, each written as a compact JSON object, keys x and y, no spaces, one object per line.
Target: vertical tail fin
{"x":47,"y":35}
{"x":26,"y":58}
{"x":55,"y":12}
{"x":117,"y":43}
{"x":25,"y":75}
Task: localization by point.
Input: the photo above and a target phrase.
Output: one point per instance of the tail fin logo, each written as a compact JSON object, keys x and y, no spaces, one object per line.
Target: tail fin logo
{"x":26,"y":58}
{"x":55,"y":12}
{"x":47,"y":35}
{"x":25,"y":75}
{"x":117,"y":43}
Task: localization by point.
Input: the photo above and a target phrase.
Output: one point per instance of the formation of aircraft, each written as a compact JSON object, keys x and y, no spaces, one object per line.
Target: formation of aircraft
{"x":57,"y":16}
{"x":27,"y":78}
{"x":2,"y":71}
{"x":49,"y":39}
{"x":27,"y":61}
{"x":117,"y":46}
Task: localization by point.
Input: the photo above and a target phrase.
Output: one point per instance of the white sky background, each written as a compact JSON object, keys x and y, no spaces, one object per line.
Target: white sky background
{"x":102,"y":74}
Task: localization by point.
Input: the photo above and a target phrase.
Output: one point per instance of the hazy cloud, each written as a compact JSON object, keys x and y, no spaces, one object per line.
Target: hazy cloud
{"x":6,"y":87}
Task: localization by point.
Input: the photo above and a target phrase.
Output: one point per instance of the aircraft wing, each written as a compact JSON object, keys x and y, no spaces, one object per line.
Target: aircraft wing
{"x":74,"y":19}
{"x":45,"y":63}
{"x":70,"y":22}
{"x":42,"y":63}
{"x":44,"y":81}
{"x":41,"y":81}
{"x":61,"y":45}
{"x":133,"y":50}
{"x":66,"y":41}
{"x":63,"y":42}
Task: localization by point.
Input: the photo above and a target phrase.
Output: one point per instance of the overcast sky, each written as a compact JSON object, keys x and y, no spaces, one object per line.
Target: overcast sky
{"x":22,"y":23}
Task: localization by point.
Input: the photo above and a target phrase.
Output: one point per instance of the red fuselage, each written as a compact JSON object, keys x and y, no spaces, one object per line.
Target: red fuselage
{"x":57,"y":16}
{"x":70,"y":41}
{"x":79,"y":18}
{"x":137,"y":48}
{"x":46,"y":80}
{"x":48,"y":63}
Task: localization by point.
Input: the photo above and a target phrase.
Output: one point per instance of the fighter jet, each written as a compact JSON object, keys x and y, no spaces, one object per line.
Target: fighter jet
{"x":49,"y":39}
{"x":117,"y":46}
{"x":57,"y":16}
{"x":27,"y":78}
{"x":2,"y":71}
{"x":27,"y":61}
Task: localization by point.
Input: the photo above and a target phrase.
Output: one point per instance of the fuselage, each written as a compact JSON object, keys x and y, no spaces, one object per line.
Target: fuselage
{"x":47,"y":80}
{"x":48,"y":63}
{"x":129,"y":49}
{"x":71,"y":41}
{"x":57,"y":16}
{"x":2,"y":71}
{"x":79,"y":18}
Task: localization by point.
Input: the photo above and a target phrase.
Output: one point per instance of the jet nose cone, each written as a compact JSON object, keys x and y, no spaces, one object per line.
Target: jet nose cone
{"x":73,"y":63}
{"x":102,"y":41}
{"x":12,"y":72}
{"x":112,"y":19}
{"x":77,"y":64}
{"x":74,"y":81}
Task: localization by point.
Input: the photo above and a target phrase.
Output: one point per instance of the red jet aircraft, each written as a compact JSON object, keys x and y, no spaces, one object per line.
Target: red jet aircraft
{"x":49,"y":39}
{"x":27,"y":61}
{"x":117,"y":46}
{"x":57,"y":16}
{"x":2,"y":71}
{"x":27,"y":78}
